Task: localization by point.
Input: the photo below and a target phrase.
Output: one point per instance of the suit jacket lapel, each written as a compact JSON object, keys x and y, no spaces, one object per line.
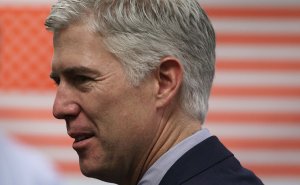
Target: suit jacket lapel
{"x":195,"y":161}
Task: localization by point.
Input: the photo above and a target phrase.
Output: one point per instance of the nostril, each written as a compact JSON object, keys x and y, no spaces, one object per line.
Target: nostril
{"x":65,"y":104}
{"x":57,"y":109}
{"x":60,"y":111}
{"x":57,"y":114}
{"x":65,"y":110}
{"x":69,"y":118}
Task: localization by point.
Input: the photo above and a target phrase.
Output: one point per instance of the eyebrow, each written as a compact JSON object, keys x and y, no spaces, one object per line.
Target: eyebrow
{"x":75,"y":70}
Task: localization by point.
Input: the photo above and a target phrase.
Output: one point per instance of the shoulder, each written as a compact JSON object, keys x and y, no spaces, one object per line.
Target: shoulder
{"x":211,"y":163}
{"x":229,"y":171}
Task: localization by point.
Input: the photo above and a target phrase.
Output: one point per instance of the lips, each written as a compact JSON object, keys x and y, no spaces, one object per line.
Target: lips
{"x":82,"y":137}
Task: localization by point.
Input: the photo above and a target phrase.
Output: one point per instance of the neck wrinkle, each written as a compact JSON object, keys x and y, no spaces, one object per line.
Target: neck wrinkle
{"x":150,"y":158}
{"x":140,"y":170}
{"x":174,"y":127}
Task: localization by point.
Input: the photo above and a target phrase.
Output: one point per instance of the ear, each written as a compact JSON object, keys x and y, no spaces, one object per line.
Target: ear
{"x":169,"y":77}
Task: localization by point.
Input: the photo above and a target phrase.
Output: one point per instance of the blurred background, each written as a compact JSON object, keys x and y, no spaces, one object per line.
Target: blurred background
{"x":255,"y":104}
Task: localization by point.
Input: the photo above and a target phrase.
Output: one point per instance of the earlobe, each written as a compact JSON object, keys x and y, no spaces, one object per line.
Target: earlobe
{"x":169,"y":76}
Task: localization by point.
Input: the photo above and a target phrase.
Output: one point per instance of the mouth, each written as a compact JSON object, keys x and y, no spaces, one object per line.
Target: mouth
{"x":82,"y":138}
{"x":82,"y":142}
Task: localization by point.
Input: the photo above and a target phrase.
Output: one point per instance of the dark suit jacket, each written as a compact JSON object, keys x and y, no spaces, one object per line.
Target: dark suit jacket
{"x":209,"y":163}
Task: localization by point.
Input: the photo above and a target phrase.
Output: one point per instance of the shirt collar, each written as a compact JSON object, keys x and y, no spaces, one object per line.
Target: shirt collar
{"x":157,"y":171}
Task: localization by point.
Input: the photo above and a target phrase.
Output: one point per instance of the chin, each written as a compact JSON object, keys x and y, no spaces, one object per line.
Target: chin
{"x":89,"y":169}
{"x":90,"y":165}
{"x":97,"y":172}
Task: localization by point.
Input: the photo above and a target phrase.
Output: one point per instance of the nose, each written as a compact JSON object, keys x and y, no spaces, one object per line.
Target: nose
{"x":65,"y":105}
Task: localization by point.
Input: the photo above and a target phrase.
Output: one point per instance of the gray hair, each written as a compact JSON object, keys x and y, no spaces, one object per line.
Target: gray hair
{"x":140,"y":32}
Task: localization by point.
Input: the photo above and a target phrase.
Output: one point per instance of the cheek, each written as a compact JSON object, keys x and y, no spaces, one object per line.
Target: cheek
{"x":121,"y":115}
{"x":121,"y":122}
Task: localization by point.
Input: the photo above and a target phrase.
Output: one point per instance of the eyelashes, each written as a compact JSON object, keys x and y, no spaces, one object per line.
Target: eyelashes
{"x":55,"y":78}
{"x":80,"y":79}
{"x":80,"y":82}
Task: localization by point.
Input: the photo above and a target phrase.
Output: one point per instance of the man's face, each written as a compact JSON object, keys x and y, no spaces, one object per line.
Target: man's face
{"x":113,"y":123}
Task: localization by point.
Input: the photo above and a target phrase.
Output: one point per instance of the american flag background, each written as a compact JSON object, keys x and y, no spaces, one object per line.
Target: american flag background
{"x":255,"y":102}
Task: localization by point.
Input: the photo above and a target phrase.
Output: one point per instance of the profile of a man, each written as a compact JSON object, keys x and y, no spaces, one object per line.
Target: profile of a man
{"x":133,"y":81}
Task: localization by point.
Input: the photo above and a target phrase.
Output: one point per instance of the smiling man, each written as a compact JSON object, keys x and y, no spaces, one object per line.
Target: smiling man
{"x":133,"y":81}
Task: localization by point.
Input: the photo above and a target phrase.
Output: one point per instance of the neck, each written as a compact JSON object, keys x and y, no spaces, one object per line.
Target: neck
{"x":173,"y":128}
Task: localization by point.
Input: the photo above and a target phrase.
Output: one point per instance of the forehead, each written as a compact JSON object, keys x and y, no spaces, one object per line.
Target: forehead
{"x":78,"y":46}
{"x":74,"y":35}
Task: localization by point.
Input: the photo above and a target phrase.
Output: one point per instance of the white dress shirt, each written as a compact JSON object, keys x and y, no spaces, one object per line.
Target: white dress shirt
{"x":156,"y":172}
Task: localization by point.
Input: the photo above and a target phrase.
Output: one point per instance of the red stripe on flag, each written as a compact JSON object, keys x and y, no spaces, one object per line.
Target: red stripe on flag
{"x":253,"y":12}
{"x":253,"y":117}
{"x":44,"y":140}
{"x":258,"y":65}
{"x":272,"y":144}
{"x":23,"y":114}
{"x":235,"y":38}
{"x":275,"y":170}
{"x":68,"y":167}
{"x":270,"y":92}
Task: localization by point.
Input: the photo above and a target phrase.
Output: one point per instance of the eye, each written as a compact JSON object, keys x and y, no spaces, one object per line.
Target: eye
{"x":56,"y":79}
{"x":80,"y":79}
